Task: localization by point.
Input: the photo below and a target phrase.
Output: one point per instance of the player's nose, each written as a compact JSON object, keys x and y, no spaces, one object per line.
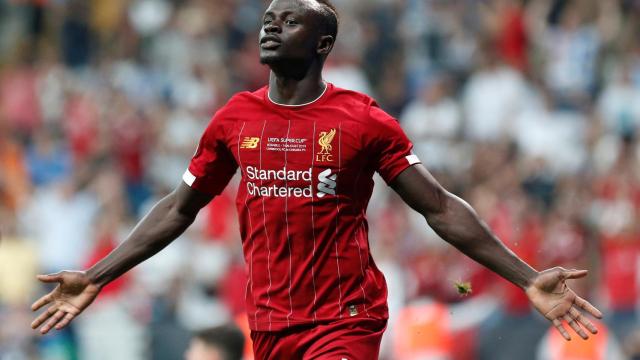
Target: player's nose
{"x":272,"y":28}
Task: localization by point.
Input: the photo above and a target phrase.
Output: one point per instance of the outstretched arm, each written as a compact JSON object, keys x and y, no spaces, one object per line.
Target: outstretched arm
{"x":458,"y":224}
{"x":76,"y":290}
{"x":169,"y":218}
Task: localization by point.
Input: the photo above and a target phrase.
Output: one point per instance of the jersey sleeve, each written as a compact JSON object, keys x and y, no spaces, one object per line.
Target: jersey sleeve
{"x":213,"y":165}
{"x":392,"y":149}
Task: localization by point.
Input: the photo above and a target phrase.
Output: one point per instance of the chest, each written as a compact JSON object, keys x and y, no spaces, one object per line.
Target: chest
{"x":299,"y":144}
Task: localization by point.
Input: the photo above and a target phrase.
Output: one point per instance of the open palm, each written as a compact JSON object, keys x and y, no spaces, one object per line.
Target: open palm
{"x":551,"y":296}
{"x":72,"y":295}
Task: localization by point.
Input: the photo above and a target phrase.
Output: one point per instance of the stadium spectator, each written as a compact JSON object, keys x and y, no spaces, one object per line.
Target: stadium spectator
{"x":224,"y":342}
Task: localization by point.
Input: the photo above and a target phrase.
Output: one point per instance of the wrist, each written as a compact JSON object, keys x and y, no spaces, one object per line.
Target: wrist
{"x":529,"y":279}
{"x":94,"y":279}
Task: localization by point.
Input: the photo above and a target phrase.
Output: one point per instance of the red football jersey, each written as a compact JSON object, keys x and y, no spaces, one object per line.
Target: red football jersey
{"x":306,"y":181}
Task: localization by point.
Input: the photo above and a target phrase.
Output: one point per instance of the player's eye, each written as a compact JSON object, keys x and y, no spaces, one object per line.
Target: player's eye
{"x":291,"y":22}
{"x":266,"y":21}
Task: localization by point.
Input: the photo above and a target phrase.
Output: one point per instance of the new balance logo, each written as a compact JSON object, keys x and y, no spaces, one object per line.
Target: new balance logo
{"x":326,"y":183}
{"x":250,"y":143}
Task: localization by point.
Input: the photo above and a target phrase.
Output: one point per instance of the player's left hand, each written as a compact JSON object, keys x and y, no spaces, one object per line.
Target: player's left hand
{"x":551,"y":296}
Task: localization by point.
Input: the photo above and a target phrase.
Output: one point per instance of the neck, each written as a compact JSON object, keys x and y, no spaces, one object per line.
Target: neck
{"x":295,"y":90}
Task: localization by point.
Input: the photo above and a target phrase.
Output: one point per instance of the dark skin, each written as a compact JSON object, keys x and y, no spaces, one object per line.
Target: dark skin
{"x":294,"y":46}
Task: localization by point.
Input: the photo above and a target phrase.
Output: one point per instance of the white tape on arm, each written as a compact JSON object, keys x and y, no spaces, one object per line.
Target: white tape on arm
{"x":188,"y":177}
{"x":413,"y":159}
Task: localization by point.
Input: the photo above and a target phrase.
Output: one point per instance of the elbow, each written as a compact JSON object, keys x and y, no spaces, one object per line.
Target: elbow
{"x":175,"y":210}
{"x":436,"y":204}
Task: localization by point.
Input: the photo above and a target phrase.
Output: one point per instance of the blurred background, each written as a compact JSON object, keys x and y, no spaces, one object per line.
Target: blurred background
{"x":530,"y":110}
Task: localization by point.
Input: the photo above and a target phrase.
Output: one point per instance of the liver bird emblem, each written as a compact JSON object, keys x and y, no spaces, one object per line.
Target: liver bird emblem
{"x":325,"y":141}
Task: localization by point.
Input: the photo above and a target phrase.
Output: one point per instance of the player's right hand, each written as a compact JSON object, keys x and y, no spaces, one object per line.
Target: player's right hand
{"x":72,"y":295}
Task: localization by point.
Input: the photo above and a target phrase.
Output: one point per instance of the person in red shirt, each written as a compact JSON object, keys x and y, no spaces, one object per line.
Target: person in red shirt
{"x":306,"y":151}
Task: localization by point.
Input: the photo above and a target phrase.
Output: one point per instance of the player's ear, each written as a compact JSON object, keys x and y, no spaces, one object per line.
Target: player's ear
{"x":325,"y":44}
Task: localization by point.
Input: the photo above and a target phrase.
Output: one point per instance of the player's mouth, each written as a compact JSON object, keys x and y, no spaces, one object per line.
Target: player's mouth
{"x":270,"y":42}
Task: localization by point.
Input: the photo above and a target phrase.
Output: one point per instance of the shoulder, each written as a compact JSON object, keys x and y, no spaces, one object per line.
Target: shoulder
{"x":244,"y":100}
{"x":363,"y":104}
{"x":239,"y":106}
{"x":356,"y":100}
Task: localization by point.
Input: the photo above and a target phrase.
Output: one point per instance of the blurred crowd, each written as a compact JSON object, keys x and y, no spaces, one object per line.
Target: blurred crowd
{"x":530,"y":110}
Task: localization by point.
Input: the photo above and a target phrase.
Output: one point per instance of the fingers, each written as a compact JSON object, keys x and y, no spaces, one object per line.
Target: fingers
{"x":574,"y":274}
{"x":575,"y":313}
{"x":57,"y":315}
{"x":586,"y":306}
{"x":575,"y":319}
{"x":65,"y":321}
{"x":42,"y":302}
{"x":44,"y":316}
{"x":50,"y":278}
{"x":558,"y":324}
{"x":53,"y":321}
{"x":575,"y":326}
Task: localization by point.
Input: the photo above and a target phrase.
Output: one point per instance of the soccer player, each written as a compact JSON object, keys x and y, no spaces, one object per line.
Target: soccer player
{"x":307,"y":152}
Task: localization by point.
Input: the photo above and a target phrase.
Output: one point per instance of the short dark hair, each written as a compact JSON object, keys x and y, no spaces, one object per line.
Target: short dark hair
{"x":227,"y":338}
{"x":330,"y":19}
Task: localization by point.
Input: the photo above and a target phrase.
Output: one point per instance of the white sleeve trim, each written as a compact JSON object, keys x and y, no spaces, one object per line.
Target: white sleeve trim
{"x":188,"y":177}
{"x":413,"y":159}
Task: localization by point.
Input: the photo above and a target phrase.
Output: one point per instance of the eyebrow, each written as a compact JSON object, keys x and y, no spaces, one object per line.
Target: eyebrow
{"x":284,"y":13}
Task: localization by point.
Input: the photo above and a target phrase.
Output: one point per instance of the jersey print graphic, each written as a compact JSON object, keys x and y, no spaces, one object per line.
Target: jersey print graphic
{"x":325,"y":140}
{"x":250,"y":143}
{"x":327,"y":183}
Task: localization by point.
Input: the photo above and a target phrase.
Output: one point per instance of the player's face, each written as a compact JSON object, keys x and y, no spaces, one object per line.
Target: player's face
{"x":289,"y":32}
